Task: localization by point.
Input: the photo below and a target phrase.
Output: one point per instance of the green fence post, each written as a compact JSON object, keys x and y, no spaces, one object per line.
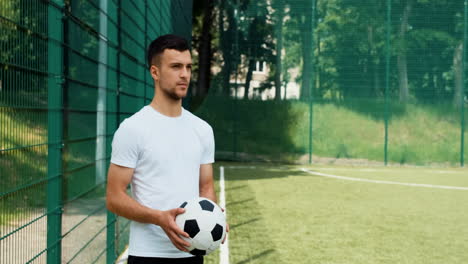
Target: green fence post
{"x":387,"y":77}
{"x":462,"y":97}
{"x":145,"y":74}
{"x":55,"y":133}
{"x":312,"y":82}
{"x":237,"y":61}
{"x":113,"y":104}
{"x":110,"y":238}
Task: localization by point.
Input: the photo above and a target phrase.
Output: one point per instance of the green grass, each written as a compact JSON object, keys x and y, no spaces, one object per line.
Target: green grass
{"x":284,"y":215}
{"x":24,"y":160}
{"x":355,"y":129}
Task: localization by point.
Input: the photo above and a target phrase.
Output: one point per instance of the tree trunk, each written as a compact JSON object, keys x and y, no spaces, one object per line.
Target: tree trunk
{"x":374,"y":84}
{"x":458,"y":68}
{"x":401,"y":59}
{"x":307,"y":59}
{"x":227,"y":46}
{"x":204,"y":52}
{"x":248,"y":78}
{"x":279,"y":48}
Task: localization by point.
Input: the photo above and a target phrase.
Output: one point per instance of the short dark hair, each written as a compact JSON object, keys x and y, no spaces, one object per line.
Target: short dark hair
{"x":163,"y":42}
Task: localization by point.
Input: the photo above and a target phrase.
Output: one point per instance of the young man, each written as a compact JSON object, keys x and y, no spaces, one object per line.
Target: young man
{"x":166,"y":154}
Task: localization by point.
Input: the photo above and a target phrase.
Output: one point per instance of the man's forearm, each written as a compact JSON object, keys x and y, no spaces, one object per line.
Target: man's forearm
{"x":124,"y":205}
{"x":208,"y":192}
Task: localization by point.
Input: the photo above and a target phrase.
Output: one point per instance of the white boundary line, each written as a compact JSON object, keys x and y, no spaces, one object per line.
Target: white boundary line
{"x":122,"y":259}
{"x":385,"y":182}
{"x":224,"y":249}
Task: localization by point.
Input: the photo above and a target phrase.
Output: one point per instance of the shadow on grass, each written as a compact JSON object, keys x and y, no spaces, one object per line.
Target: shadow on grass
{"x":240,"y":202}
{"x":250,"y":241}
{"x":244,"y":223}
{"x":259,"y":173}
{"x":257,"y":256}
{"x":235,"y":188}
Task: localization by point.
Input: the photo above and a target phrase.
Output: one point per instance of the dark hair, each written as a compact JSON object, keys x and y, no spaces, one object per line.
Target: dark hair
{"x":163,"y":42}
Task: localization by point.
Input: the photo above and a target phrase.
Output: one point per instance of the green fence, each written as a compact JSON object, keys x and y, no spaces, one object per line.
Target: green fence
{"x":326,"y":81}
{"x":70,"y":71}
{"x":359,"y":82}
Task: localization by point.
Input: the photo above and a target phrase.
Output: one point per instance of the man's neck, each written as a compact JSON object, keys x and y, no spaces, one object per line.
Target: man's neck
{"x":169,"y":107}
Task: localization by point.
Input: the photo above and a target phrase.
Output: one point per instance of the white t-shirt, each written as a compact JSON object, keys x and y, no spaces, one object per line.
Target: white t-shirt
{"x":166,"y":153}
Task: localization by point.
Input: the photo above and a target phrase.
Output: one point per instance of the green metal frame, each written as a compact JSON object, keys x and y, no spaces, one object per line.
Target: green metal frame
{"x":464,"y":90}
{"x":55,"y":133}
{"x":312,"y":84}
{"x":387,"y":77}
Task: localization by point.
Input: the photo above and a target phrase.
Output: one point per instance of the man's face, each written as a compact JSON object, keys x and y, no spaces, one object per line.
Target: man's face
{"x":172,"y":74}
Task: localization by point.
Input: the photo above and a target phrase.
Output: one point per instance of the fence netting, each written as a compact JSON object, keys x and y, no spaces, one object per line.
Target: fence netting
{"x":70,"y":72}
{"x":297,"y":81}
{"x":359,"y":82}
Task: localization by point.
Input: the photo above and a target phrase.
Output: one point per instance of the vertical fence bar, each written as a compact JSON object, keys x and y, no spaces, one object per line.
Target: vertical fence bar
{"x":119,"y":47}
{"x":102,"y":92}
{"x":55,"y":133}
{"x":462,"y":97}
{"x":237,"y":61}
{"x":312,"y":82}
{"x":101,"y":115}
{"x":110,"y":238}
{"x":145,"y":74}
{"x":387,"y":77}
{"x":114,"y":63}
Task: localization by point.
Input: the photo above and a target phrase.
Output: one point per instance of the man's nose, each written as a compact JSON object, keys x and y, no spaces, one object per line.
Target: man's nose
{"x":185,"y":72}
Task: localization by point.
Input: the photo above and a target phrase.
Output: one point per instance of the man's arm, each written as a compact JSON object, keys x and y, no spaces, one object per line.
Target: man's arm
{"x":207,"y":186}
{"x":206,"y":182}
{"x":120,"y":203}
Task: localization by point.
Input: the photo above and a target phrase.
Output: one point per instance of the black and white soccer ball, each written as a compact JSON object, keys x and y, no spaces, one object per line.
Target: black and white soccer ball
{"x":205,"y":223}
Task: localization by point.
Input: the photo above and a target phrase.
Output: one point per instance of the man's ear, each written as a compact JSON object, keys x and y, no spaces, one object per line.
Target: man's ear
{"x":154,"y":71}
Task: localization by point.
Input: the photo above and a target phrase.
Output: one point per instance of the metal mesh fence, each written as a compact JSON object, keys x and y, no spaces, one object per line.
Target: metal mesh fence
{"x":291,"y":81}
{"x":70,"y":71}
{"x":335,"y":81}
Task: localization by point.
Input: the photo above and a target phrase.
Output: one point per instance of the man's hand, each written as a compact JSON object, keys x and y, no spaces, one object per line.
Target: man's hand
{"x":175,"y":234}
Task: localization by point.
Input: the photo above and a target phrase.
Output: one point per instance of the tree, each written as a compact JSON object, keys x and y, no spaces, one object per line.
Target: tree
{"x":401,"y":58}
{"x":278,"y":5}
{"x":258,"y":45}
{"x":203,"y":10}
{"x":432,"y":44}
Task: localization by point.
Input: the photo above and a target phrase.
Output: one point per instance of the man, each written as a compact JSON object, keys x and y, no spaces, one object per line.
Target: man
{"x":166,"y":154}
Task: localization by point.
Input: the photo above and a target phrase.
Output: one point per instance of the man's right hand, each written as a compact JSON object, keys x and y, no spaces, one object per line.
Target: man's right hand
{"x":175,"y":234}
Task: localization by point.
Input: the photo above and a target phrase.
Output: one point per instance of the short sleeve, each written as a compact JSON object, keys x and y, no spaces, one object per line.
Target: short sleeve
{"x":208,"y":147}
{"x":125,"y":146}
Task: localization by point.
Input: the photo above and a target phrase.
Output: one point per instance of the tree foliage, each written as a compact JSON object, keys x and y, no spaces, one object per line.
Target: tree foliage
{"x":344,"y":49}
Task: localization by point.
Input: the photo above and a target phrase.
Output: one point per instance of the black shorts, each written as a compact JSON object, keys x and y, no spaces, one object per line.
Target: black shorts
{"x":148,"y":260}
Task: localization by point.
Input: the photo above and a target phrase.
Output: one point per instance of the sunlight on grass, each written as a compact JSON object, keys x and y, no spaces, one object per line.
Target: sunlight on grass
{"x":288,"y":216}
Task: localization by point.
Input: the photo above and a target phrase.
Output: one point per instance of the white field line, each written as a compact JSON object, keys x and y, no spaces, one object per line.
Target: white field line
{"x":373,"y":170}
{"x":385,"y":182}
{"x":122,"y":259}
{"x":224,"y":249}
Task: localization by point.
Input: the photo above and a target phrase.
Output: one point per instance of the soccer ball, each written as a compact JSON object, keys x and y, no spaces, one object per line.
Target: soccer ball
{"x":205,"y":223}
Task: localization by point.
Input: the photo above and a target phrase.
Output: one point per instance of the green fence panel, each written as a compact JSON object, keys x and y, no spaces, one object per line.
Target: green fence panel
{"x":300,"y":81}
{"x":70,"y":71}
{"x":335,"y":81}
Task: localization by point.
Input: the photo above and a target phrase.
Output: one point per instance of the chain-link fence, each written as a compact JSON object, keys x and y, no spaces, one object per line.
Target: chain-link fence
{"x":70,"y":71}
{"x":369,"y":82}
